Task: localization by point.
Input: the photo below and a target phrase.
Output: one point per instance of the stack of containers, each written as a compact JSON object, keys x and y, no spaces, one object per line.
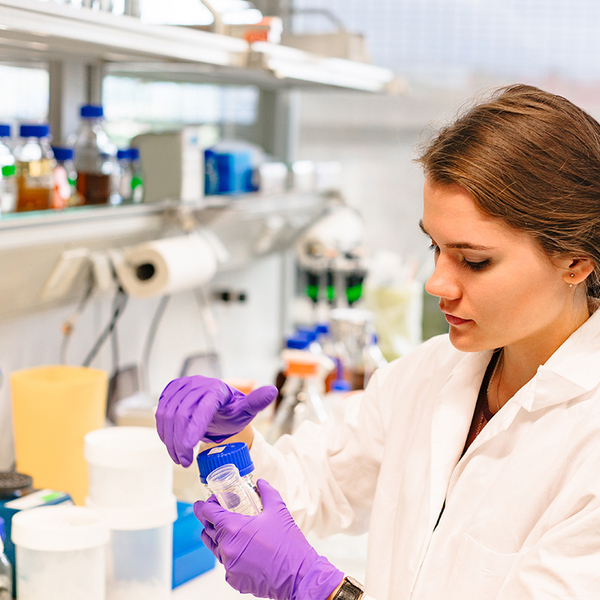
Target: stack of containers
{"x":131,"y":484}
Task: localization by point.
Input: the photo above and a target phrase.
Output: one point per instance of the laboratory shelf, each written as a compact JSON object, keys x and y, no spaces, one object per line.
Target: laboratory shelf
{"x":36,"y":31}
{"x":247,"y":227}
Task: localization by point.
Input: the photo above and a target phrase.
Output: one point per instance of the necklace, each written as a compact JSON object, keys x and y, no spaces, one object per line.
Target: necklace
{"x":499,"y":361}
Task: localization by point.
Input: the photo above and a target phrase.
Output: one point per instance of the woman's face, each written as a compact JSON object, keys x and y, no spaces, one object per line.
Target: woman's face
{"x":496,"y":287}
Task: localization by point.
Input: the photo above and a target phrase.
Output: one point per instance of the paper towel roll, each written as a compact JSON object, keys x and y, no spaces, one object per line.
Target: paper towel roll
{"x":167,"y":266}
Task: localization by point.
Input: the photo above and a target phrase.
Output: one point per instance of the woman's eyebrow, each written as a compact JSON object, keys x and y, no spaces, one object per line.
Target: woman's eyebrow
{"x":457,"y":245}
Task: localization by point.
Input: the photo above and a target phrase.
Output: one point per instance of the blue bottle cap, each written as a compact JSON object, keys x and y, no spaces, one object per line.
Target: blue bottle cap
{"x":307,"y":332}
{"x":134,"y":153}
{"x":62,"y":153}
{"x":123,"y":154}
{"x":236,"y":453}
{"x":38,"y":131}
{"x":341,"y":385}
{"x":4,"y":130}
{"x":91,"y":111}
{"x":2,"y":532}
{"x":297,"y":342}
{"x":322,"y":329}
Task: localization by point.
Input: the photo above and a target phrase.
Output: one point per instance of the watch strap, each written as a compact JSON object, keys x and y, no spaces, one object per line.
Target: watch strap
{"x":350,"y":590}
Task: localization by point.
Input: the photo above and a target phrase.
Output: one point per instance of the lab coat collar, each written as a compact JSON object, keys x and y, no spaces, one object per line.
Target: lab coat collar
{"x":573,"y":370}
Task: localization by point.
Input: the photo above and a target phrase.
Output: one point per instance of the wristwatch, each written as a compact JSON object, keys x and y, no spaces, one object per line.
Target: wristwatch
{"x":350,"y":590}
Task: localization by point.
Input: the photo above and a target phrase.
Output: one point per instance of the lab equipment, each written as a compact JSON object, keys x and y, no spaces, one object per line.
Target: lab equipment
{"x":228,"y":172}
{"x":8,"y":189}
{"x":227,"y":471}
{"x":173,"y":163}
{"x":54,"y":407}
{"x":6,"y":155}
{"x":95,"y":158}
{"x":16,"y":494}
{"x":190,"y":556}
{"x":219,"y":411}
{"x":124,"y":175}
{"x":35,"y":166}
{"x":301,"y":394}
{"x":137,"y":176}
{"x":267,"y":556}
{"x":61,"y":553}
{"x":131,"y":482}
{"x":65,"y":179}
{"x":6,"y":570}
{"x":128,"y":468}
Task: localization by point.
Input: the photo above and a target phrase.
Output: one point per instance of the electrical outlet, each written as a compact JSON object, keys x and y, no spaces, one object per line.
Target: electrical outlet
{"x":66,"y":271}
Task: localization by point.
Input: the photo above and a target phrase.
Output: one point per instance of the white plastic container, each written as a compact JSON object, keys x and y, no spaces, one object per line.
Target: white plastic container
{"x":140,"y":555}
{"x":61,"y":553}
{"x":129,"y":467}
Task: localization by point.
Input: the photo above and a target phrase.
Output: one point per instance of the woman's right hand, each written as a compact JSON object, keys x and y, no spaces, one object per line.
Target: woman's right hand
{"x":197,"y":408}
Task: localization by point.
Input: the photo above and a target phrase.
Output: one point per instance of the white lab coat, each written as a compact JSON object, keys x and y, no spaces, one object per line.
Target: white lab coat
{"x":522,"y":507}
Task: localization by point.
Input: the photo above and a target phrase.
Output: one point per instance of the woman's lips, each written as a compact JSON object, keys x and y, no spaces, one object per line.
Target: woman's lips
{"x":456,"y":320}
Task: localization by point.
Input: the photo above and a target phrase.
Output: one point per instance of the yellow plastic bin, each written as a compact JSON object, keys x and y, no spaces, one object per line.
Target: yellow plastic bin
{"x":53,"y":408}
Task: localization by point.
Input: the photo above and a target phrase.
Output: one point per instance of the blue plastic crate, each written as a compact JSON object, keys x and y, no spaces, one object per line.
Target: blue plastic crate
{"x":190,"y":556}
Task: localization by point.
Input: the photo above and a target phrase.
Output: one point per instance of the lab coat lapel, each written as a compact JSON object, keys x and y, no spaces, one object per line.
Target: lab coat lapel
{"x":452,"y":418}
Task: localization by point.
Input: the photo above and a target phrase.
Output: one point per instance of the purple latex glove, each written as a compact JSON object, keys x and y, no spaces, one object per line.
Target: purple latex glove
{"x":197,"y":408}
{"x":266,"y":555}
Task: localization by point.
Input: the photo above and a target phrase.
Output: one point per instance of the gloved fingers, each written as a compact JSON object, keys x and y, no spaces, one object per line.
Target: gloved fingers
{"x":165,"y":413}
{"x":200,"y":418}
{"x":208,"y":542}
{"x":260,"y":398}
{"x":269,"y":495}
{"x":196,"y":406}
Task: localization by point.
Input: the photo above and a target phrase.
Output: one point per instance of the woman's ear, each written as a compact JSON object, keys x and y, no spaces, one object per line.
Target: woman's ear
{"x":578,"y":270}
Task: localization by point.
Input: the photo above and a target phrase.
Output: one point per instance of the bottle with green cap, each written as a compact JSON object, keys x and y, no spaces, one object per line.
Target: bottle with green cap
{"x":8,"y":189}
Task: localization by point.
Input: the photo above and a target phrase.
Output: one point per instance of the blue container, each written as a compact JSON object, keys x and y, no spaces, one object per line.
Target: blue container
{"x":190,"y":556}
{"x":228,"y":172}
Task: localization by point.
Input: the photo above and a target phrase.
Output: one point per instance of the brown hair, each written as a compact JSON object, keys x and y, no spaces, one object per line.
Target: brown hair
{"x":532,"y":159}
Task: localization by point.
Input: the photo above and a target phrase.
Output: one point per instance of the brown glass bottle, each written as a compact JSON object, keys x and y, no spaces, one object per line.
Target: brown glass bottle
{"x":94,"y":187}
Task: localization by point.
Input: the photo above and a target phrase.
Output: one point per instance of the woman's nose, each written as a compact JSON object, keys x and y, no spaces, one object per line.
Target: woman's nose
{"x":442,"y":283}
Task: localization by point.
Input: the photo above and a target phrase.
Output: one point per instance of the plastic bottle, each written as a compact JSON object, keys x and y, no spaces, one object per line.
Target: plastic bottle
{"x":227,"y":472}
{"x":6,"y":576}
{"x":125,"y":175}
{"x":137,"y":176}
{"x":8,"y":189}
{"x":95,"y":157}
{"x":35,"y":167}
{"x":65,"y":179}
{"x":6,"y":155}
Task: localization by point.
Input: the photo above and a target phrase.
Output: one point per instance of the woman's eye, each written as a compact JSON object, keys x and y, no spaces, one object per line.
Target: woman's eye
{"x":477,"y":266}
{"x":435,"y":249}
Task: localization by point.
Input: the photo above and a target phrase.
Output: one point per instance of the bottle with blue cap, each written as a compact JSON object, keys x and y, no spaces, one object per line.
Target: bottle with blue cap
{"x":227,"y":472}
{"x":95,"y":158}
{"x":6,"y":155}
{"x":34,"y":161}
{"x":65,"y":179}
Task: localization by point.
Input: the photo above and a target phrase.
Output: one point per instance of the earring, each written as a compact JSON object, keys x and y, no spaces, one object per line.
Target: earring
{"x":572,"y":275}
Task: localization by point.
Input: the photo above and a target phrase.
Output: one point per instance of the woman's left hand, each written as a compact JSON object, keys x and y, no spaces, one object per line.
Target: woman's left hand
{"x":266,"y":555}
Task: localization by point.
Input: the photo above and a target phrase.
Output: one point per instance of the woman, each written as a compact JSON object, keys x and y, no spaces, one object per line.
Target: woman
{"x":473,"y":462}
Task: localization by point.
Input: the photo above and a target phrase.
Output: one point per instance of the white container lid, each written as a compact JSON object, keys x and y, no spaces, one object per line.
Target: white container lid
{"x":125,"y":448}
{"x":145,"y":517}
{"x":62,"y":527}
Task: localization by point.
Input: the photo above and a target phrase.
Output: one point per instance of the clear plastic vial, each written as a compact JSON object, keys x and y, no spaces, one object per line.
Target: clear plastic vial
{"x":227,"y":471}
